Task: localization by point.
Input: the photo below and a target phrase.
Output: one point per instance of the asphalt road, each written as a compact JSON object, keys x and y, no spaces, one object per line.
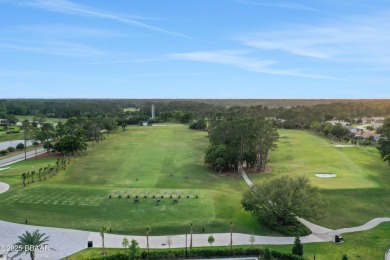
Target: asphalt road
{"x":20,"y":157}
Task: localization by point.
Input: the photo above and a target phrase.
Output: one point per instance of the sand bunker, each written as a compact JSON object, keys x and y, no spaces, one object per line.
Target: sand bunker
{"x":343,"y":145}
{"x":159,"y":125}
{"x":3,"y":187}
{"x":326,"y":175}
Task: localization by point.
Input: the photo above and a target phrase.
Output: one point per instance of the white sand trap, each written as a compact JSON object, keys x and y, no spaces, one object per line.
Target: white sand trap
{"x":159,"y":125}
{"x":6,"y":168}
{"x":326,"y":175}
{"x":343,"y":145}
{"x":3,"y":187}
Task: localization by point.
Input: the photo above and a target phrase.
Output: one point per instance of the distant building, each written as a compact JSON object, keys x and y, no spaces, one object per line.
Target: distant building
{"x":366,"y":135}
{"x":3,"y":122}
{"x":145,"y":123}
{"x":334,"y":122}
{"x":353,"y":130}
{"x":378,"y":119}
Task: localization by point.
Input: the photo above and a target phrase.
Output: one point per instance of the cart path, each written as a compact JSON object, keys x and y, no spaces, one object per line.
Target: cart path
{"x":3,"y":187}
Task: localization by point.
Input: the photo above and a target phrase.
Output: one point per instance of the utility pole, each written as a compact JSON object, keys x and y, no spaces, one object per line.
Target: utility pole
{"x":231,"y":236}
{"x":186,"y":245}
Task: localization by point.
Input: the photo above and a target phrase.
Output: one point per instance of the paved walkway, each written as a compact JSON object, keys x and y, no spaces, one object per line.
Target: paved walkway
{"x":69,"y":241}
{"x":387,"y":255}
{"x":64,"y":241}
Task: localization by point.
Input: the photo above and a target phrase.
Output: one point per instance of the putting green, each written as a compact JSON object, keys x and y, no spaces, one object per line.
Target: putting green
{"x":303,"y":153}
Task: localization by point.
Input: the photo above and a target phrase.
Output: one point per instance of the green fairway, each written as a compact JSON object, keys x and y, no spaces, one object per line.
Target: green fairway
{"x":168,"y":161}
{"x":142,"y":161}
{"x":360,"y":191}
{"x":48,"y":119}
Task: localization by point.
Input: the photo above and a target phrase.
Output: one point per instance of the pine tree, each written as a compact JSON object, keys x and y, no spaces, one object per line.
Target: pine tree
{"x":297,"y":247}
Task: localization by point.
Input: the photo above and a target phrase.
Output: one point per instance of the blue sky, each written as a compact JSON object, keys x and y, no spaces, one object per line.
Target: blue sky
{"x":194,"y":49}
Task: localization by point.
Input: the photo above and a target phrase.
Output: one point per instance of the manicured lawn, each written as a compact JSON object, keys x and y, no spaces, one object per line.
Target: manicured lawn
{"x":4,"y":137}
{"x":371,"y":244}
{"x":168,"y":161}
{"x":48,"y":119}
{"x":142,"y":161}
{"x":359,"y":193}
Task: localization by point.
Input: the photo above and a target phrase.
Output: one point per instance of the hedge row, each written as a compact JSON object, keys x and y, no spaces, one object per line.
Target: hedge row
{"x":204,"y":253}
{"x":13,"y":132}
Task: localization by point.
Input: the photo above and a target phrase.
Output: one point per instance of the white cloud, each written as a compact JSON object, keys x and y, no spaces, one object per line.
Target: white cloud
{"x":356,"y":39}
{"x":67,"y":31}
{"x":67,"y":7}
{"x":50,"y":48}
{"x":240,"y":60}
{"x":279,"y":4}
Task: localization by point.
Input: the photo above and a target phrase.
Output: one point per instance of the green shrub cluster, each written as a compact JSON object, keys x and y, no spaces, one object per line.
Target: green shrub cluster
{"x":13,"y":132}
{"x":3,"y":152}
{"x":205,"y":253}
{"x":11,"y":149}
{"x":296,"y":228}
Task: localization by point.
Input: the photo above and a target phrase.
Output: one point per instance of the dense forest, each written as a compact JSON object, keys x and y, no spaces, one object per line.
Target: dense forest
{"x":300,"y":115}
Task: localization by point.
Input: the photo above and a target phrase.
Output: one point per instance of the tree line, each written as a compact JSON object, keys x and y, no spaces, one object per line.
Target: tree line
{"x":240,"y":142}
{"x":297,"y":116}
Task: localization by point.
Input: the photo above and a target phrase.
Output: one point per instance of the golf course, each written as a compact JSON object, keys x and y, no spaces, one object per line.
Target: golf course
{"x":156,"y":176}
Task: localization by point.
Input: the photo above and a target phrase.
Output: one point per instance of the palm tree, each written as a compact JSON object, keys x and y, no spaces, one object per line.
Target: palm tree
{"x":39,"y":174}
{"x":147,"y":231}
{"x":44,"y":173}
{"x":24,"y":176}
{"x":32,"y":176}
{"x":102,"y":231}
{"x":26,"y":126}
{"x":29,"y":242}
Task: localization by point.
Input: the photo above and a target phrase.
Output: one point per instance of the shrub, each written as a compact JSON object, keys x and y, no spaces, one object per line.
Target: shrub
{"x":11,"y":149}
{"x":3,"y":152}
{"x":20,"y":146}
{"x":204,"y":253}
{"x":13,"y":132}
{"x":297,"y":247}
{"x":47,"y":145}
{"x":267,"y":254}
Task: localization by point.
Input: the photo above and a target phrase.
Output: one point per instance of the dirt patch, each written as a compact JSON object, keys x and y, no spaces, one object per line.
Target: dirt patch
{"x":45,"y":155}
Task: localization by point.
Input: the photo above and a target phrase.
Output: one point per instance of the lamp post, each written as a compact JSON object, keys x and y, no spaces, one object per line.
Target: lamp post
{"x":191,"y":237}
{"x":231,"y":236}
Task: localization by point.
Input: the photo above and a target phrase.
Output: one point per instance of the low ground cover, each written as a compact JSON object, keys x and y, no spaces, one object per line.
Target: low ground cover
{"x":371,"y":244}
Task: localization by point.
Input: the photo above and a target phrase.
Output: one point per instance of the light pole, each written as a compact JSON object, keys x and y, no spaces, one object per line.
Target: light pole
{"x":191,"y":237}
{"x":231,"y":236}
